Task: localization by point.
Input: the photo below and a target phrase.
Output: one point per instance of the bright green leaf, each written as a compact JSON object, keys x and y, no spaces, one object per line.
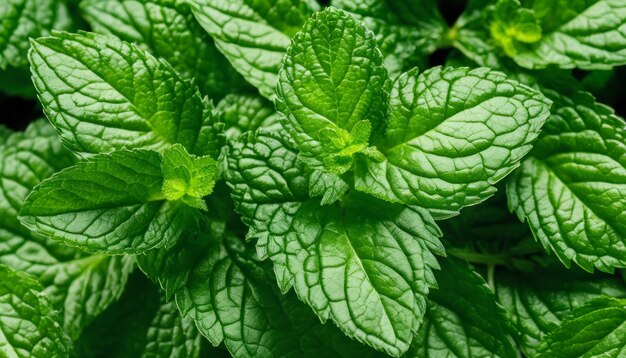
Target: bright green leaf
{"x":598,"y":329}
{"x":187,"y":177}
{"x":513,"y":24}
{"x":406,"y":31}
{"x":80,"y":286}
{"x":463,"y":318}
{"x":103,"y":94}
{"x":168,"y":30}
{"x":22,"y":19}
{"x":452,"y":134}
{"x":572,"y":188}
{"x":369,"y":271}
{"x":332,"y":89}
{"x":538,"y":301}
{"x":27,"y":321}
{"x":253,"y":35}
{"x":111,"y":203}
{"x":586,"y":34}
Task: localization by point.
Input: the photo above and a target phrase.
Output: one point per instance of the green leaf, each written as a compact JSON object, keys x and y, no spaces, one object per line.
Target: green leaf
{"x":102,"y":95}
{"x":587,"y":34}
{"x":253,"y":35}
{"x":327,"y":185}
{"x":141,"y":324}
{"x":332,"y":89}
{"x":111,"y":203}
{"x":17,"y":82}
{"x":167,"y":30}
{"x":470,"y":35}
{"x":187,"y":177}
{"x":383,"y":249}
{"x":23,"y":19}
{"x":80,"y":286}
{"x":513,"y":24}
{"x":406,"y":31}
{"x":229,"y":294}
{"x":598,"y":329}
{"x":538,"y":301}
{"x":27,"y":322}
{"x":572,"y":188}
{"x":463,"y":318}
{"x":242,"y":113}
{"x":452,"y":134}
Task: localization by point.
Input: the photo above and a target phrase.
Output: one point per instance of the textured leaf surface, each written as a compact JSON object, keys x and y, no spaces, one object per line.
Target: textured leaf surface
{"x":187,"y":177}
{"x":109,"y":203}
{"x":22,"y":19}
{"x":141,"y":324}
{"x":27,"y":322}
{"x":369,"y":271}
{"x":167,"y":30}
{"x":80,"y":286}
{"x":538,"y":301}
{"x":406,"y":31}
{"x":428,"y":162}
{"x":103,"y":94}
{"x":463,"y":318}
{"x":242,"y":113}
{"x":332,"y":81}
{"x":229,"y":294}
{"x":572,"y":188}
{"x":253,"y":35}
{"x":598,"y":329}
{"x":587,"y":34}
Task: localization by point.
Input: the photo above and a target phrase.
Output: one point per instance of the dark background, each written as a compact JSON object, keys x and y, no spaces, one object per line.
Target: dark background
{"x":608,"y":86}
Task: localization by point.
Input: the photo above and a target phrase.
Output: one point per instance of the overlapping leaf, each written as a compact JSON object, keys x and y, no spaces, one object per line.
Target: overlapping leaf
{"x":103,"y":94}
{"x":368,"y":270}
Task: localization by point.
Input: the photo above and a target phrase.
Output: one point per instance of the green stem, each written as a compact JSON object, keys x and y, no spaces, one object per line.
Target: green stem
{"x":491,"y":269}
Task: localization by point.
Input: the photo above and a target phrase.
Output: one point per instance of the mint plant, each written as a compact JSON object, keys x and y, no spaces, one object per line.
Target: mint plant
{"x":291,"y":178}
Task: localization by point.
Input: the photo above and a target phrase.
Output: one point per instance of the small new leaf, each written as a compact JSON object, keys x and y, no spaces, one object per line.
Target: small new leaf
{"x":332,"y":90}
{"x":513,"y":24}
{"x":187,"y":177}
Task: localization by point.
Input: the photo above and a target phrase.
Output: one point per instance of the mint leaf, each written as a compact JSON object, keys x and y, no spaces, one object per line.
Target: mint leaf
{"x":25,"y":160}
{"x":187,"y":177}
{"x":103,"y":94}
{"x":385,"y":250}
{"x":428,"y":163}
{"x":111,"y":203}
{"x":327,"y":185}
{"x":253,"y":36}
{"x":141,"y":324}
{"x":463,"y":318}
{"x":242,"y":113}
{"x":470,"y":35}
{"x":332,"y":89}
{"x":228,"y":292}
{"x":572,"y":188}
{"x":513,"y":24}
{"x":598,"y":329}
{"x":5,"y":133}
{"x":406,"y":31}
{"x":27,"y":322}
{"x":582,"y":34}
{"x":22,"y":19}
{"x":80,"y":286}
{"x":167,"y":30}
{"x":538,"y":301}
